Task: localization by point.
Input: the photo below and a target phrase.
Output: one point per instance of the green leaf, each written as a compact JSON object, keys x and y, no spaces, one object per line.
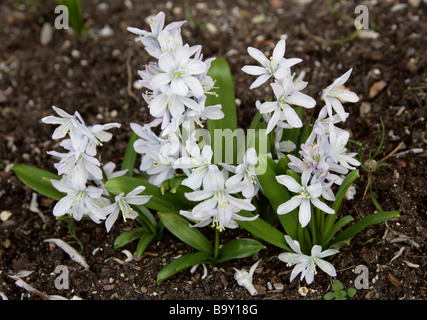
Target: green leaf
{"x":126,"y":237}
{"x":183,"y":262}
{"x":351,"y":292}
{"x":348,"y":180}
{"x":180,"y":227}
{"x":158,"y":202}
{"x":255,"y":120}
{"x":38,"y":180}
{"x":329,"y":296}
{"x":129,"y":158}
{"x":224,"y":95}
{"x":337,"y":285}
{"x":372,"y":219}
{"x":263,"y":230}
{"x":338,"y":226}
{"x":239,"y":248}
{"x":75,"y":13}
{"x":143,"y":243}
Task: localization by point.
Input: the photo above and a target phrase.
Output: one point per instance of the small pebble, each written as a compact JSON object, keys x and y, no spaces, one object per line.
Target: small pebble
{"x":46,"y":34}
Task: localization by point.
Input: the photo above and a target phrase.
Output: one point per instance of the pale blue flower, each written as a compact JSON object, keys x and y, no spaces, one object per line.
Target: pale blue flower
{"x":306,"y":195}
{"x":306,"y":265}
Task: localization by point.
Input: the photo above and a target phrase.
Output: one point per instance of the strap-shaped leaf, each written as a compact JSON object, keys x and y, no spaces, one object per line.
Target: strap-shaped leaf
{"x":224,"y":95}
{"x":159,"y":202}
{"x":180,"y":228}
{"x":38,"y":180}
{"x":348,"y":180}
{"x":143,"y":243}
{"x":239,"y":248}
{"x":263,"y":231}
{"x":75,"y":13}
{"x":129,"y":158}
{"x":184,"y":262}
{"x":337,"y":227}
{"x":375,"y":218}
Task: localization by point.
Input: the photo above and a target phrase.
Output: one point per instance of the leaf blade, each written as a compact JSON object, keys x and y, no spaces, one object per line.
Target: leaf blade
{"x":180,"y":227}
{"x":38,"y":180}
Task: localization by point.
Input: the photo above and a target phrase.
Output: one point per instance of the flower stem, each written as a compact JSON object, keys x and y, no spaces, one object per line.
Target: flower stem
{"x":216,"y":243}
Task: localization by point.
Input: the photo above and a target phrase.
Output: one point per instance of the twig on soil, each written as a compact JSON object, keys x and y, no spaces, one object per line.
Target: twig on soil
{"x":22,"y":284}
{"x":129,"y":71}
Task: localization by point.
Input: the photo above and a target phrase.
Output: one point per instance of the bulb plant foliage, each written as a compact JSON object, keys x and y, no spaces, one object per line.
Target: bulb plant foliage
{"x":192,"y":171}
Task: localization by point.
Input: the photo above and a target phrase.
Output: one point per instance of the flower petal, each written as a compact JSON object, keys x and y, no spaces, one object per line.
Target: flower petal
{"x":304,"y":212}
{"x":322,"y":206}
{"x":289,"y":205}
{"x":258,"y":56}
{"x":289,"y":182}
{"x":254,"y":70}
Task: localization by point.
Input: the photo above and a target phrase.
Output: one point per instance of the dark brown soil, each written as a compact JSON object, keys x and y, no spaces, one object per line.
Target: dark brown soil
{"x":89,"y":73}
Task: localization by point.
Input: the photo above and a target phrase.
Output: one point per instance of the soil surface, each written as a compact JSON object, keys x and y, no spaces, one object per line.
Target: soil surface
{"x":90,"y":73}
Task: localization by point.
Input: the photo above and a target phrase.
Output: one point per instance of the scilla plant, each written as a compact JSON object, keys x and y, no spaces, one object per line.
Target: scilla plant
{"x":283,"y":180}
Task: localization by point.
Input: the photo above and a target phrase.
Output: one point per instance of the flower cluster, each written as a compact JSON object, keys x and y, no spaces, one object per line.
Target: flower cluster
{"x":177,"y":86}
{"x":324,"y":159}
{"x":83,"y":175}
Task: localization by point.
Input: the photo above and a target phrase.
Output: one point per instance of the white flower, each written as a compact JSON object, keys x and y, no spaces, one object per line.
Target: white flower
{"x":244,"y":175}
{"x":218,"y":206}
{"x":179,"y":70}
{"x":338,"y":152}
{"x":282,"y":147}
{"x":307,"y":195}
{"x":171,"y":102}
{"x":192,"y":117}
{"x":151,"y":39}
{"x":76,"y":164}
{"x":122,"y":204}
{"x":71,"y":124}
{"x":277,"y":66}
{"x":332,"y":95}
{"x":286,"y":94}
{"x":80,"y":200}
{"x":323,"y":125}
{"x":306,"y":265}
{"x":98,"y":136}
{"x":199,"y":162}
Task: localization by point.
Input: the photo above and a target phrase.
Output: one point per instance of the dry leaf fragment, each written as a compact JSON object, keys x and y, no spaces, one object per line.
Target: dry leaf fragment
{"x":376,"y":88}
{"x":74,"y":255}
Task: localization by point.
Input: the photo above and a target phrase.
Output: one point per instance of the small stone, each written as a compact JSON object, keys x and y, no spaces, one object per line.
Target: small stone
{"x":46,"y":34}
{"x":211,"y":28}
{"x":414,"y":3}
{"x":376,"y":88}
{"x":365,"y":108}
{"x":7,"y":243}
{"x":109,"y":287}
{"x":75,"y":54}
{"x":5,"y":215}
{"x":278,"y":286}
{"x":260,"y":18}
{"x":106,"y":31}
